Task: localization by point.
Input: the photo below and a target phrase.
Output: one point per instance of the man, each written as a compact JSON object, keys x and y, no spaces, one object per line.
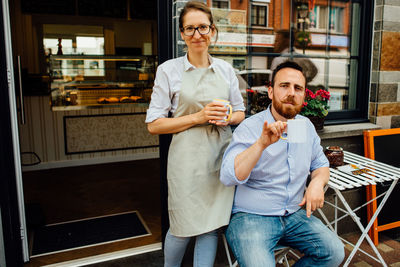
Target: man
{"x":270,"y":175}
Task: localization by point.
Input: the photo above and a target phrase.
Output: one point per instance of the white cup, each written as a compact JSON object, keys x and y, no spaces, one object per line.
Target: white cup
{"x":227,"y":105}
{"x":296,"y":131}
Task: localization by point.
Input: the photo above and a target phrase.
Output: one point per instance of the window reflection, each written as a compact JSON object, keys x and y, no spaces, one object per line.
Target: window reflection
{"x":220,"y":3}
{"x":259,"y":14}
{"x":321,"y":35}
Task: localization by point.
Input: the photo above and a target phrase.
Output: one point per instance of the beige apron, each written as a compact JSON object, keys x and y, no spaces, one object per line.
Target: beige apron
{"x":197,"y":201}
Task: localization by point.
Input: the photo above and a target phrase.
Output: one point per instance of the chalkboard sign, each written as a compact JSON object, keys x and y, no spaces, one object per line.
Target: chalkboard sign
{"x":384,"y":146}
{"x":387,"y":149}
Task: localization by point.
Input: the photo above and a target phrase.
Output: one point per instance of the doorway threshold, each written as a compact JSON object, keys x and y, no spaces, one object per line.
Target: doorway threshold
{"x":108,"y":256}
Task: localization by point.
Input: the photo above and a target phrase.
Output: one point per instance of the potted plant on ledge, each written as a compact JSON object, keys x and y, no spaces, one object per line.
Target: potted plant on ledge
{"x":315,"y":107}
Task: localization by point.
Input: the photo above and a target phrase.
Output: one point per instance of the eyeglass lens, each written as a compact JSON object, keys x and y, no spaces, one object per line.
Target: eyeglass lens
{"x":202,"y":29}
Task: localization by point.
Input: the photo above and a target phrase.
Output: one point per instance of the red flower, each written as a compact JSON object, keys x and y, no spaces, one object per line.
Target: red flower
{"x":316,"y":104}
{"x":309,"y":94}
{"x":324,"y":94}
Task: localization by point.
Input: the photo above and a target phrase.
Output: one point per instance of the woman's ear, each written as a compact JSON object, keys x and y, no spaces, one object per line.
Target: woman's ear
{"x":213,"y":30}
{"x":182,"y":35}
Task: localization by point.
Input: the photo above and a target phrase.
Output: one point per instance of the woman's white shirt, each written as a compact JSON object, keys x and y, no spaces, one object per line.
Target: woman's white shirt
{"x":168,"y":81}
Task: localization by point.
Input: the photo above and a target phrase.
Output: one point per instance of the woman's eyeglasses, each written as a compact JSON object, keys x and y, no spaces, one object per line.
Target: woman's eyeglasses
{"x":202,"y":29}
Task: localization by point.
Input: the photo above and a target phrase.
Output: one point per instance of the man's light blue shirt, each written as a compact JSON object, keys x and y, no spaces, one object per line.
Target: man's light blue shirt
{"x":276,"y":184}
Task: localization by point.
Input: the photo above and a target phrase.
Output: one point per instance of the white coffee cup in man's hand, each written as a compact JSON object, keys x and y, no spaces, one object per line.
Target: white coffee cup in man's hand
{"x":296,"y":131}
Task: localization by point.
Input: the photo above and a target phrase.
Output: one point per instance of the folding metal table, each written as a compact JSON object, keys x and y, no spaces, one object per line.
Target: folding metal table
{"x":340,"y":181}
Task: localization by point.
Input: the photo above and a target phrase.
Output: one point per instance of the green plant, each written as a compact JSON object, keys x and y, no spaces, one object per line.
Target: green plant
{"x":303,"y":38}
{"x":316,"y":104}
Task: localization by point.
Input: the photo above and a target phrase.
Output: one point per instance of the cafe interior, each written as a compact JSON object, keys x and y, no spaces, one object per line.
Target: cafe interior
{"x":86,"y":69}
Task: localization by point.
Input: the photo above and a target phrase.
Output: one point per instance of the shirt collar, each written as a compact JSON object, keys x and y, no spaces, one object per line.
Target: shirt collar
{"x":189,"y":66}
{"x":268,"y":115}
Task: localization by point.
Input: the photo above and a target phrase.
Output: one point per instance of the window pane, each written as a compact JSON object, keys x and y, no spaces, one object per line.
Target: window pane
{"x":322,"y":36}
{"x":220,"y":3}
{"x":90,"y":45}
{"x":259,"y":15}
{"x":51,"y":45}
{"x":254,"y":15}
{"x":261,"y":20}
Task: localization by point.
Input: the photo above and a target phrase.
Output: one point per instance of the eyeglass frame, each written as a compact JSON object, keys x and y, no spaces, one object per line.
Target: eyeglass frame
{"x":197,"y":29}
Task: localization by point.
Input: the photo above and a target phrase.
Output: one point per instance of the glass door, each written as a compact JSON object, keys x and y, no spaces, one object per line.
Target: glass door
{"x":60,"y":180}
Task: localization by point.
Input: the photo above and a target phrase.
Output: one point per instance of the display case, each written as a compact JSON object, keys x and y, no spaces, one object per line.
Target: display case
{"x":96,"y":81}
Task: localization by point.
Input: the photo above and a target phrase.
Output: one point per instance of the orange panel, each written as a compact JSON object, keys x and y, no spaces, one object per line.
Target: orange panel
{"x":369,"y":152}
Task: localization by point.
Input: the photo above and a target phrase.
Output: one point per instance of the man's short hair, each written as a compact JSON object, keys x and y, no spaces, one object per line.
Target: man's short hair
{"x":287,"y":64}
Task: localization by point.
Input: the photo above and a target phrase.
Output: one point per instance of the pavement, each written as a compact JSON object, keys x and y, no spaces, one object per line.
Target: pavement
{"x":389,"y":249}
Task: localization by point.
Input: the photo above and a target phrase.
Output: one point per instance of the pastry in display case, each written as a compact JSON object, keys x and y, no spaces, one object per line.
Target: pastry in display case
{"x":84,"y":81}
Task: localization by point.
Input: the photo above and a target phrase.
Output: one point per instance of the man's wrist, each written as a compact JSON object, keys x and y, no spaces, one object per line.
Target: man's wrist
{"x":260,"y":145}
{"x":318,"y":181}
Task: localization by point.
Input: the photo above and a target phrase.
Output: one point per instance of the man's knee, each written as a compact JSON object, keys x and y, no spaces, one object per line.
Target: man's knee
{"x":336,"y":251}
{"x":248,"y":246}
{"x":332,"y":251}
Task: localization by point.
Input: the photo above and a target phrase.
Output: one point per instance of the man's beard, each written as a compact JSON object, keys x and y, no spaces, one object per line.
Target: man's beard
{"x":288,"y":112}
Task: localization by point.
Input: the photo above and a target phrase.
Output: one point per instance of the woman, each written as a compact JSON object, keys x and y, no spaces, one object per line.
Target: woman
{"x":198,"y":203}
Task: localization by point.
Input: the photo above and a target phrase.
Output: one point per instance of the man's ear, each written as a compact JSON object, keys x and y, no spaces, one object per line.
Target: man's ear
{"x":270,"y":92}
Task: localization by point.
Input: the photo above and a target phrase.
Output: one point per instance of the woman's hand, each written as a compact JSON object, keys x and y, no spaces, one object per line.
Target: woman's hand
{"x":212,"y":113}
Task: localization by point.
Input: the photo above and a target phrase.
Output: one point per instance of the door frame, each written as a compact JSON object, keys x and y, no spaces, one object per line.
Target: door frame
{"x":9,"y":208}
{"x":10,"y":224}
{"x":164,"y":13}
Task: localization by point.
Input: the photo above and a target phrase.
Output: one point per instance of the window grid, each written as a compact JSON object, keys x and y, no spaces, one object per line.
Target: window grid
{"x":259,"y":14}
{"x":333,"y":31}
{"x":220,"y":4}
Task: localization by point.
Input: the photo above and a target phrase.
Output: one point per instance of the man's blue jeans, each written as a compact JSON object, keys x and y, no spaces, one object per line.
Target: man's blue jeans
{"x":253,"y":239}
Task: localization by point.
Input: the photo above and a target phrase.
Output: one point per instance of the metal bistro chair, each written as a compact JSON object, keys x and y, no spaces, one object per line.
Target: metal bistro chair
{"x":281,"y":253}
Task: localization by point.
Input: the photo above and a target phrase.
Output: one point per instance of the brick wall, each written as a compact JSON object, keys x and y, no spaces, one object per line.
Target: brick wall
{"x":384,"y":108}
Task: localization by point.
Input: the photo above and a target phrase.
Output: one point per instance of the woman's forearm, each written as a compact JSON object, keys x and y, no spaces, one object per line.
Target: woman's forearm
{"x":172,"y":125}
{"x":237,"y":117}
{"x":179,"y":124}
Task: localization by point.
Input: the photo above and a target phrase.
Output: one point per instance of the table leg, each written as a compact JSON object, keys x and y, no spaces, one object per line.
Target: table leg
{"x":335,"y":197}
{"x":371,"y":208}
{"x":365,"y":230}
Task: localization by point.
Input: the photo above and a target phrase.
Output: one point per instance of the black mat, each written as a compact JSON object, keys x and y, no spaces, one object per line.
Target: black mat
{"x":70,"y":235}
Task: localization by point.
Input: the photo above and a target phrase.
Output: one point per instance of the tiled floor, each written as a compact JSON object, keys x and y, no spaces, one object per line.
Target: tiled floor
{"x":388,"y":248}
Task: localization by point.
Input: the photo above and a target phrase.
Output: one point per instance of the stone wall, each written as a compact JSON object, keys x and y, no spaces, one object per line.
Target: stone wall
{"x":384,"y":109}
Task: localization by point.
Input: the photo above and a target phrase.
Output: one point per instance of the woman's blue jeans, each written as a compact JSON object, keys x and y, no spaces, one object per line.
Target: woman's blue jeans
{"x":253,"y":239}
{"x":205,"y":249}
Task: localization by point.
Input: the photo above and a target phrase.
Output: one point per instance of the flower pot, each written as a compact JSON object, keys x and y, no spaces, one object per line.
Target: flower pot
{"x":318,"y":122}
